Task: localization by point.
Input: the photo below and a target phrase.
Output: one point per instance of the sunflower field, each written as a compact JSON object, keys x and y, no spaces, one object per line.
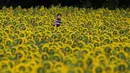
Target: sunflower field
{"x":88,"y":40}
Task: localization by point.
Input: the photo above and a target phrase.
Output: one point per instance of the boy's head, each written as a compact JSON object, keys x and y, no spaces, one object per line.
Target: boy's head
{"x":59,"y":16}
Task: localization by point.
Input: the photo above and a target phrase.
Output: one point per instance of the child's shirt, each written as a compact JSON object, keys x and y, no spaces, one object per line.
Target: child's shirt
{"x":57,"y":22}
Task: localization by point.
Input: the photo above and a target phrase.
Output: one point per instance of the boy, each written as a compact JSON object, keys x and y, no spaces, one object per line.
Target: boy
{"x":57,"y":22}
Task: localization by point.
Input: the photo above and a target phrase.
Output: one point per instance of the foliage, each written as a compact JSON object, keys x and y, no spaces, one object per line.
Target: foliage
{"x":111,"y":4}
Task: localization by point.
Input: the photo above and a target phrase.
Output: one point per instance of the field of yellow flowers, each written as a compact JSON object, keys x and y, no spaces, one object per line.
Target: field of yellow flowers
{"x":88,"y":41}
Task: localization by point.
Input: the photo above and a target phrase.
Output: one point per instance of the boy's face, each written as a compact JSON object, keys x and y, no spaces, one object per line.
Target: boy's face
{"x":59,"y":17}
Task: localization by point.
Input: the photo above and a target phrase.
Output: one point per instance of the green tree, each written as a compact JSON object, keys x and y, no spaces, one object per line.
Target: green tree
{"x":85,"y":3}
{"x":111,"y":4}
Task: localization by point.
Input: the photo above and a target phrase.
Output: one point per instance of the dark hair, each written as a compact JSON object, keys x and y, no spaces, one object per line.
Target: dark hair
{"x":59,"y":14}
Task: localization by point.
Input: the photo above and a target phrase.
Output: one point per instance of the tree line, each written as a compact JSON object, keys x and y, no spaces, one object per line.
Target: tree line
{"x":112,"y":4}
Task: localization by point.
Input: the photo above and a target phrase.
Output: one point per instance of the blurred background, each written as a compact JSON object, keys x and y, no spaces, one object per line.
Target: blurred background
{"x":80,"y":3}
